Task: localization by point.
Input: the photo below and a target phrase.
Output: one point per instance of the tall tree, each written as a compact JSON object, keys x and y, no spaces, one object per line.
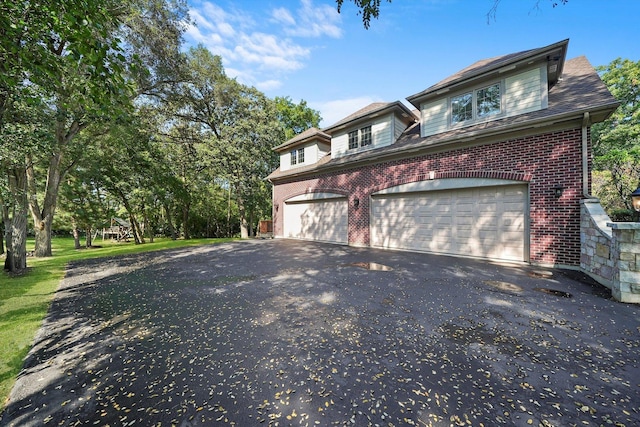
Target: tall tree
{"x":295,"y":118}
{"x":25,"y":132}
{"x":616,"y":141}
{"x":92,"y":54}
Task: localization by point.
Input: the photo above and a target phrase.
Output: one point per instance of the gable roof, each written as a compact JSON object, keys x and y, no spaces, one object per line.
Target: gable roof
{"x":579,"y":91}
{"x":373,"y":110}
{"x":554,"y":54}
{"x":307,"y":135}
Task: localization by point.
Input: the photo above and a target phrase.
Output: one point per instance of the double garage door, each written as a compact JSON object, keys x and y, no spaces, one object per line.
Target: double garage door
{"x":487,"y":222}
{"x":324,"y":219}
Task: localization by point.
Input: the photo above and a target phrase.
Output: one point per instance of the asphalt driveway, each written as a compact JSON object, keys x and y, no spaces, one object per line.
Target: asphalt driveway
{"x":277,"y":332}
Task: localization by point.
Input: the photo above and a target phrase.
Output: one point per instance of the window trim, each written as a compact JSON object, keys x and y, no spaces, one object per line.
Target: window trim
{"x":475,"y":118}
{"x":356,"y":138}
{"x":353,"y":140}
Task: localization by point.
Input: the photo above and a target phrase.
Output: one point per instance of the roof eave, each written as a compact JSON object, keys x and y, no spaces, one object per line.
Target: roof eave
{"x":597,"y":114}
{"x":391,"y":107}
{"x":481,"y":73}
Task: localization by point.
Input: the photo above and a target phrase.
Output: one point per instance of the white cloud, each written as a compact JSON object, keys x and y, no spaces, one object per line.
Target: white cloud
{"x":268,"y":85}
{"x":283,"y":16}
{"x":336,"y":110}
{"x":310,"y":21}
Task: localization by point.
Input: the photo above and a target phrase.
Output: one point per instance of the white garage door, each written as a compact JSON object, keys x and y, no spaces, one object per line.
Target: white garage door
{"x":487,"y":222}
{"x":322,"y":220}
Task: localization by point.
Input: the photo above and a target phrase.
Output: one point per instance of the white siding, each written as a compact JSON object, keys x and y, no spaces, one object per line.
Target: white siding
{"x":434,"y":117}
{"x":313,"y":151}
{"x":323,"y":150}
{"x":524,"y":92}
{"x":381,"y":136}
{"x":398,"y":128}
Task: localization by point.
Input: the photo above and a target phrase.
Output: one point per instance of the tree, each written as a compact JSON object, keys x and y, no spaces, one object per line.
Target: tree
{"x":295,"y":118}
{"x":616,"y":141}
{"x":92,"y":55}
{"x":24,"y":132}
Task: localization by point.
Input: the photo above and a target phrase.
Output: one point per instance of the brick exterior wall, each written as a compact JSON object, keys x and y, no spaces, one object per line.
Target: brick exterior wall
{"x":543,"y":161}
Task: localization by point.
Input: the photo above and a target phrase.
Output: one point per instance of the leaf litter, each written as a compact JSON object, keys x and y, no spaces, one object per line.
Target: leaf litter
{"x":160,"y":346}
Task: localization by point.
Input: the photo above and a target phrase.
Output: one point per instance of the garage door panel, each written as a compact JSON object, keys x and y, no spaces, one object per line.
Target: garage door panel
{"x":485,"y":222}
{"x":324,"y":220}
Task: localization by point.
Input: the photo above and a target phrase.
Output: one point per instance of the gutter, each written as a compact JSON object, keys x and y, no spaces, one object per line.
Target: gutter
{"x":585,"y":156}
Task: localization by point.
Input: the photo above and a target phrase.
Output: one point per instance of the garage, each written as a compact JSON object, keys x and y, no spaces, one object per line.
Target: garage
{"x":317,"y":216}
{"x":481,"y":221}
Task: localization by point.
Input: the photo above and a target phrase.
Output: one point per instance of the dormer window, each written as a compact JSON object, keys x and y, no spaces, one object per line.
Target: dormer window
{"x":297,"y":156}
{"x":476,"y":105}
{"x":360,"y":138}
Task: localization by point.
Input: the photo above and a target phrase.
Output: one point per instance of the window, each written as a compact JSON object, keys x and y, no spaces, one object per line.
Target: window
{"x":365,"y":136}
{"x":476,"y":105}
{"x":297,"y":156}
{"x":353,"y":139}
{"x":360,"y":138}
{"x":488,"y":100}
{"x":461,"y":108}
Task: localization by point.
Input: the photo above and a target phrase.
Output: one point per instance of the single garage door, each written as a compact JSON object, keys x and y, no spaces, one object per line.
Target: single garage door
{"x":322,"y":219}
{"x":487,"y":222}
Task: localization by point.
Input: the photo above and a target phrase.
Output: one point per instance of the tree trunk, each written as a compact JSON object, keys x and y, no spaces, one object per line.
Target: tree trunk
{"x":87,"y":238}
{"x":252,"y":225}
{"x":185,"y":220}
{"x":244,"y":228}
{"x":43,"y":217}
{"x":172,"y":229}
{"x":17,"y":228}
{"x":229,"y":213}
{"x":5,"y":224}
{"x":76,"y":234}
{"x":148,"y":228}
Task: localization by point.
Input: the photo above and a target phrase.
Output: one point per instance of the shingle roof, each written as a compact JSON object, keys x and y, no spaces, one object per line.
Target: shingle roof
{"x":307,"y":134}
{"x":484,"y":66}
{"x":579,"y":90}
{"x":369,"y":110}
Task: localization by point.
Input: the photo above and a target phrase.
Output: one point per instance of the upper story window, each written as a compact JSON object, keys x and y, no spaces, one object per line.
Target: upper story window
{"x":353,"y":139}
{"x":477,"y":104}
{"x":297,"y":156}
{"x":360,"y":138}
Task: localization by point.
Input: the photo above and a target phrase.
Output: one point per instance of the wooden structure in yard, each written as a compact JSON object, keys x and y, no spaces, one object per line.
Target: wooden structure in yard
{"x":119,"y":230}
{"x":265,"y":229}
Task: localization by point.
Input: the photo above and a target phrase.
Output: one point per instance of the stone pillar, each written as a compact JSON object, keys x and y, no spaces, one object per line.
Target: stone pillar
{"x":625,"y":252}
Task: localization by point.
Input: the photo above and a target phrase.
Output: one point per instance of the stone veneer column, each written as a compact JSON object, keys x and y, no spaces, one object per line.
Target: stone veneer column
{"x":625,"y":251}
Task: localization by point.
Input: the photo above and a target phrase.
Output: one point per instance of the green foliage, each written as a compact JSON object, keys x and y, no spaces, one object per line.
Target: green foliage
{"x":616,"y":141}
{"x":367,"y":8}
{"x":295,"y":118}
{"x":622,"y":129}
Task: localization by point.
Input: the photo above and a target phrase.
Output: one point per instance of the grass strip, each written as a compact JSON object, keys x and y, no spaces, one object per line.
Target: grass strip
{"x":25,"y":299}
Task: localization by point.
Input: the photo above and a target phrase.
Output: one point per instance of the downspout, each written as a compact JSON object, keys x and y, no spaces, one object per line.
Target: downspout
{"x":585,"y":154}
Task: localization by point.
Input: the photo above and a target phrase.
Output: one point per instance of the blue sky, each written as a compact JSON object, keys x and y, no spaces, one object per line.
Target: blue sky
{"x":305,"y":50}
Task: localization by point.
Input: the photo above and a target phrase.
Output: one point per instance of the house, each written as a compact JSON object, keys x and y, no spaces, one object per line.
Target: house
{"x":493,"y":163}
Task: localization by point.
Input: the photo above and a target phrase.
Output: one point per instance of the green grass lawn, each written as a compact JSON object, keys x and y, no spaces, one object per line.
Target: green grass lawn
{"x":25,"y":299}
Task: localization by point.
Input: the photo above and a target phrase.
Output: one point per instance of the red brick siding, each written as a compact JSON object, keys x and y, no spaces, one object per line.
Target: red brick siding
{"x":543,"y":161}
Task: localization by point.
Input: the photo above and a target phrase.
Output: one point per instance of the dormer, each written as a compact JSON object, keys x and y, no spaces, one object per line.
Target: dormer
{"x":377,"y":125}
{"x":304,"y":149}
{"x":491,"y":89}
